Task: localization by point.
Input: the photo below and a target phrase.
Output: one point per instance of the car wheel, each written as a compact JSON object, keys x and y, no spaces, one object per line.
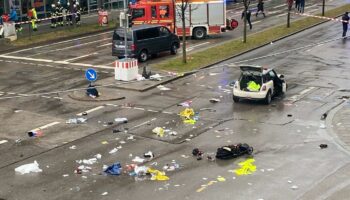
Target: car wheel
{"x":235,"y":99}
{"x":173,"y":49}
{"x":143,"y":56}
{"x":268,"y":98}
{"x":199,"y":33}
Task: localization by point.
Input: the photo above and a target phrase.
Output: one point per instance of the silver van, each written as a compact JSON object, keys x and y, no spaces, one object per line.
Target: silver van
{"x":143,"y":41}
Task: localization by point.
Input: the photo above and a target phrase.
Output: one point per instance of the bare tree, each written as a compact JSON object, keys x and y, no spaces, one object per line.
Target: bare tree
{"x":290,"y":4}
{"x":246,"y":6}
{"x":181,"y":11}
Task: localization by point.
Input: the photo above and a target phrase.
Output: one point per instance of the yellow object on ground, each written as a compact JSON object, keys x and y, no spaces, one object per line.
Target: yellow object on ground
{"x":187,"y":113}
{"x":189,"y":121}
{"x":159,"y":131}
{"x":247,"y":167}
{"x":252,"y":86}
{"x":221,"y":179}
{"x":157,"y":175}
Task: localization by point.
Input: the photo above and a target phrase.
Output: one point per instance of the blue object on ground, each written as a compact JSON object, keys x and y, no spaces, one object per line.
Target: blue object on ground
{"x":114,"y":169}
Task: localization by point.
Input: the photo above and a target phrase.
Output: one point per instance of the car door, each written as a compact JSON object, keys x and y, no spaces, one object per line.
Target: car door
{"x":270,"y":82}
{"x":164,"y":38}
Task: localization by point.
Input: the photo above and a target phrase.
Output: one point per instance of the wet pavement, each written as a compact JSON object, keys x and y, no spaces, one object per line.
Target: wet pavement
{"x":285,"y":134}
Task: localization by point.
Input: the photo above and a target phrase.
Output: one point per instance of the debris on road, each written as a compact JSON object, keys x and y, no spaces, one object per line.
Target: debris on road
{"x":73,"y":147}
{"x":156,"y":77}
{"x":323,"y":146}
{"x":159,"y":131}
{"x":113,"y":151}
{"x":322,"y":125}
{"x":104,"y":194}
{"x":189,"y":116}
{"x":35,"y":133}
{"x":28,"y":168}
{"x":91,"y":91}
{"x":121,"y":120}
{"x":114,"y":169}
{"x":3,"y":141}
{"x":214,"y":100}
{"x":198,"y":153}
{"x":185,"y":103}
{"x":221,"y":179}
{"x":79,"y":120}
{"x":294,"y":187}
{"x":90,"y":161}
{"x":233,"y":151}
{"x":163,"y":88}
{"x":157,"y":175}
{"x":149,"y":154}
{"x":324,"y":116}
{"x":104,"y":142}
{"x":247,"y":167}
{"x":138,"y":159}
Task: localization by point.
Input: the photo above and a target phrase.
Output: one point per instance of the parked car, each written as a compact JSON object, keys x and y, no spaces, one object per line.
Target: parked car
{"x":258,"y":83}
{"x":143,"y":41}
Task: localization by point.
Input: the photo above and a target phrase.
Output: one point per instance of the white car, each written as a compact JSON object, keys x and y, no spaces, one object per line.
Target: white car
{"x":258,"y":83}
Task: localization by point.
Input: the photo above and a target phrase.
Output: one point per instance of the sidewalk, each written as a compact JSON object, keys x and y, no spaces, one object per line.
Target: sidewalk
{"x":340,"y":123}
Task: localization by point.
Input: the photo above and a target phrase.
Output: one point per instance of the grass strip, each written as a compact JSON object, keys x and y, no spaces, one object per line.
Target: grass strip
{"x":236,"y":46}
{"x":59,"y":34}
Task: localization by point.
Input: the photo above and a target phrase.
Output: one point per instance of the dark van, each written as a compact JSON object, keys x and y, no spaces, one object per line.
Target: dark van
{"x":144,"y":40}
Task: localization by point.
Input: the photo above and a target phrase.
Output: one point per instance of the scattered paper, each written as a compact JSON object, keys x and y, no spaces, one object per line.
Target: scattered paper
{"x":163,"y":88}
{"x":28,"y":168}
{"x":3,"y":141}
{"x":138,"y":159}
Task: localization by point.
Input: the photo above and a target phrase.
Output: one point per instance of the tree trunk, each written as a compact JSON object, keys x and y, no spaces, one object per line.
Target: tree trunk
{"x":288,"y":16}
{"x":245,"y":26}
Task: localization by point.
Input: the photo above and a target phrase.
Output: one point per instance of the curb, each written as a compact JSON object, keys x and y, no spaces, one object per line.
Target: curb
{"x":331,"y":133}
{"x":56,"y":40}
{"x":236,"y":55}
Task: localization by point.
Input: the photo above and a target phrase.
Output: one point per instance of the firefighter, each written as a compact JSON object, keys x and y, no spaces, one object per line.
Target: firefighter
{"x":53,"y":16}
{"x":33,"y":17}
{"x":77,"y":12}
{"x":68,"y":15}
{"x":59,"y":14}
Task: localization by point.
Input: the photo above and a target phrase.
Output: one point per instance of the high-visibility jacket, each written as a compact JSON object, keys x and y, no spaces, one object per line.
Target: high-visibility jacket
{"x":34,"y":15}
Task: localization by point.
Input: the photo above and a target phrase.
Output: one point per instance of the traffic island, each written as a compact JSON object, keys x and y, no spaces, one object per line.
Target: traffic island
{"x":105,"y":94}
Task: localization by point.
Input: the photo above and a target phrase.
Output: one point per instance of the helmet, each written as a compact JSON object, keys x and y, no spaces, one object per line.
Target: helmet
{"x":53,"y":5}
{"x":58,"y":2}
{"x":68,"y":3}
{"x":77,"y":3}
{"x":74,"y":6}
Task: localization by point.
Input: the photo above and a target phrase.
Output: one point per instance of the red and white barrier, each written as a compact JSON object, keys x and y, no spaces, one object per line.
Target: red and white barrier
{"x":126,"y":69}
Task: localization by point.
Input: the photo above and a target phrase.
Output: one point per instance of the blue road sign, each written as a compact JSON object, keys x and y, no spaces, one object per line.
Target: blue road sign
{"x":91,"y":74}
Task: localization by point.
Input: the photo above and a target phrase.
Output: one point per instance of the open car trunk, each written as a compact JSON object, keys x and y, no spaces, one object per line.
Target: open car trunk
{"x":247,"y":79}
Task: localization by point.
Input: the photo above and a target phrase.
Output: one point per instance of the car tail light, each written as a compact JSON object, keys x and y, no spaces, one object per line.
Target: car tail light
{"x":133,"y":47}
{"x":263,"y":88}
{"x":236,"y":85}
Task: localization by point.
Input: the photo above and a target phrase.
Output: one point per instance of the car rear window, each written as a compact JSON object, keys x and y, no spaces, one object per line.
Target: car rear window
{"x":119,"y":35}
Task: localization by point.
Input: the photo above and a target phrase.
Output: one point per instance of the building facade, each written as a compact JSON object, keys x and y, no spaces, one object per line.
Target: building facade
{"x":43,"y":7}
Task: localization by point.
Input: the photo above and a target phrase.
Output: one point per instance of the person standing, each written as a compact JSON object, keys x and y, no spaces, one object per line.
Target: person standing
{"x":68,"y":15}
{"x":53,"y":16}
{"x":1,"y":25}
{"x":33,"y":17}
{"x":59,"y":14}
{"x":14,"y":18}
{"x":345,"y":19}
{"x":248,"y":18}
{"x":260,"y":8}
{"x":77,"y":12}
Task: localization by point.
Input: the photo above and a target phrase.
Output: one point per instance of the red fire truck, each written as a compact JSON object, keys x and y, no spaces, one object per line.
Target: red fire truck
{"x":202,"y":17}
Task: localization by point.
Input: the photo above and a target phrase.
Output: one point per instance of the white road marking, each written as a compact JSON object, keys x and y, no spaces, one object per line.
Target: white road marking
{"x":53,"y":61}
{"x":39,"y":47}
{"x":282,"y":14}
{"x":103,"y":45}
{"x":256,"y":22}
{"x":297,"y":96}
{"x":165,"y":112}
{"x":137,"y":108}
{"x":79,"y":57}
{"x":91,"y":110}
{"x":144,"y":123}
{"x":280,"y":6}
{"x":155,"y":111}
{"x":70,"y":47}
{"x":46,"y":126}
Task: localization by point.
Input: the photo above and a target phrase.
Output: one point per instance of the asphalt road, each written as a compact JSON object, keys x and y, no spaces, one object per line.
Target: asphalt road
{"x":285,"y":134}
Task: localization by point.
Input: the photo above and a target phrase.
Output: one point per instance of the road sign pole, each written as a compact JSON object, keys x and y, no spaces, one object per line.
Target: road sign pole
{"x":125,"y":30}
